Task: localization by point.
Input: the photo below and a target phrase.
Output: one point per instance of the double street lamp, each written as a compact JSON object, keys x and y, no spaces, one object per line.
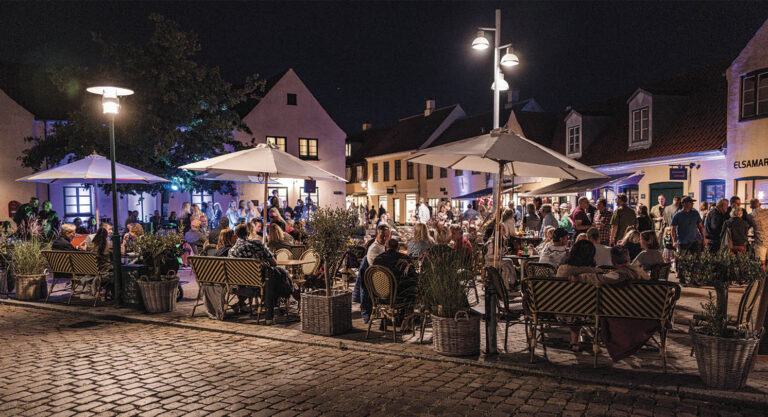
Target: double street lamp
{"x":499,"y":84}
{"x":110,"y":102}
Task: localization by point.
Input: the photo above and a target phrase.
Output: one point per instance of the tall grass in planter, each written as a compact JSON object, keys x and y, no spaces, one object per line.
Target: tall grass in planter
{"x":29,"y":268}
{"x":328,"y":312}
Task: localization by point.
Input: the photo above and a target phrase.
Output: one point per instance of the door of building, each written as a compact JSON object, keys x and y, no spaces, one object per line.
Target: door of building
{"x":396,"y":209}
{"x":669,"y":189}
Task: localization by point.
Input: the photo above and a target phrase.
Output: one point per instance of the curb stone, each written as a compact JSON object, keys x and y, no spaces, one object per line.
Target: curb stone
{"x":487,"y":362}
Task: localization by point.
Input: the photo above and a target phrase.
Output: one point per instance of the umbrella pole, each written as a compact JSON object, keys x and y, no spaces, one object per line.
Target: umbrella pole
{"x":490,"y":289}
{"x":264,"y":209}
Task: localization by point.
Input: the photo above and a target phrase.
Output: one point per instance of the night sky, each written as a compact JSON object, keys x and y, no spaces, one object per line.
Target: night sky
{"x":378,"y":62}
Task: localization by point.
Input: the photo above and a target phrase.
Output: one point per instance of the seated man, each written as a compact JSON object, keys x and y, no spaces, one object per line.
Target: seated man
{"x":401,"y":267}
{"x":374,"y":249}
{"x":63,"y":242}
{"x":461,"y":244}
{"x":213,"y":236}
{"x":277,"y":283}
{"x":556,"y":252}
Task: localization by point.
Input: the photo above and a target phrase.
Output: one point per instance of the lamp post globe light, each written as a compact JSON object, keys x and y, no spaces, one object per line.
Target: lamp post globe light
{"x":110,"y":101}
{"x":499,"y":84}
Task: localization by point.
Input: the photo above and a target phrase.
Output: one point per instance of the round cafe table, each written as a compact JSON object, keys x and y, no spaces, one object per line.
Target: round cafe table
{"x":523,"y":262}
{"x":294,"y":267}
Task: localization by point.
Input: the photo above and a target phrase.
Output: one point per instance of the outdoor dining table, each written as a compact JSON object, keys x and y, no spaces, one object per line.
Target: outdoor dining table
{"x":294,"y":266}
{"x":523,"y":262}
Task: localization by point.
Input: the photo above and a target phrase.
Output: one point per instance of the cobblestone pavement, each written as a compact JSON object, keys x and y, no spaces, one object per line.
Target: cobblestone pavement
{"x":60,"y":364}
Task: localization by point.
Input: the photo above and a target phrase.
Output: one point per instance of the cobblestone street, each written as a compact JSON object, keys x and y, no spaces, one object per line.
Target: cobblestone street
{"x":59,"y":364}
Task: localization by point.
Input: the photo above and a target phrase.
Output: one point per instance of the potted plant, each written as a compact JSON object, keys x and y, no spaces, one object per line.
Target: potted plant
{"x":442,"y":287}
{"x":328,"y":312}
{"x":724,"y":354}
{"x":159,"y":288}
{"x":29,"y":268}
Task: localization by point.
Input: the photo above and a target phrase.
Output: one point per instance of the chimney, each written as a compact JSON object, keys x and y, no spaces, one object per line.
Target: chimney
{"x":366,"y":126}
{"x":430,"y":107}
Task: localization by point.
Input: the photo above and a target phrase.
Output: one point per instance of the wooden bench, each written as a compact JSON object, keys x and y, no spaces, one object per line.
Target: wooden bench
{"x":547,"y":298}
{"x":213,"y":270}
{"x":74,"y":265}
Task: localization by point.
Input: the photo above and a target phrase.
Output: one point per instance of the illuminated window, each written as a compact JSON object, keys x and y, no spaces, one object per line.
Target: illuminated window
{"x":77,"y":201}
{"x":308,"y":148}
{"x":640,"y":124}
{"x":347,"y":149}
{"x":200,"y":197}
{"x":278,"y":141}
{"x":754,"y":95}
{"x":574,"y":140}
{"x":386,"y":171}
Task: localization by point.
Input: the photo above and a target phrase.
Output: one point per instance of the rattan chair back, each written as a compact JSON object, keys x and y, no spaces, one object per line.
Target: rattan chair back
{"x":494,"y":278}
{"x":639,"y":300}
{"x":539,"y":270}
{"x":309,"y":255}
{"x":59,"y":261}
{"x":244,"y":271}
{"x":84,"y":263}
{"x":747,"y":304}
{"x":208,"y":269}
{"x":381,"y":284}
{"x":283,"y":254}
{"x":560,"y":296}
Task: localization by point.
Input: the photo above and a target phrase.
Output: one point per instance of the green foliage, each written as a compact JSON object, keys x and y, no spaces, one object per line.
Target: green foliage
{"x":27,"y":257}
{"x":330,"y":229}
{"x":181,"y":111}
{"x":719,"y":269}
{"x":153,"y":248}
{"x":441,"y":284}
{"x":714,"y":322}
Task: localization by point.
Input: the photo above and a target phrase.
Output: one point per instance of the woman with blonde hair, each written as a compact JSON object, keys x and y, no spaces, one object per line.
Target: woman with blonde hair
{"x":631,"y":241}
{"x":277,"y":235}
{"x":421,"y":241}
{"x":254,"y":230}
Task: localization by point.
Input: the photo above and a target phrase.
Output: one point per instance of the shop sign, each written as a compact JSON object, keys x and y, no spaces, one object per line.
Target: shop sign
{"x":750,"y":163}
{"x":678,"y":173}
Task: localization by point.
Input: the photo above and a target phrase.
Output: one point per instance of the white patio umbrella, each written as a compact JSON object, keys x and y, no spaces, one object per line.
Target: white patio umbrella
{"x":264,"y":161}
{"x":94,"y":169}
{"x":504,"y":153}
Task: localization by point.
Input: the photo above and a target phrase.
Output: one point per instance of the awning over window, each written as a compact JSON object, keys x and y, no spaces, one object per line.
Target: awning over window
{"x":575,"y":187}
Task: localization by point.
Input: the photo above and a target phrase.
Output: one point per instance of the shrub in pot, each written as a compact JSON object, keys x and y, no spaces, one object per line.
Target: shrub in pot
{"x":29,"y":268}
{"x":160,"y":288}
{"x":724,"y":354}
{"x":443,"y":290}
{"x":328,"y":312}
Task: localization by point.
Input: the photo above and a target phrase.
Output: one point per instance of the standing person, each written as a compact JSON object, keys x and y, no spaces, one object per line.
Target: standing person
{"x":643,"y":219}
{"x":556,"y":210}
{"x":279,"y":200}
{"x":603,"y":224}
{"x":186,"y":217}
{"x":520,"y":210}
{"x":580,"y":218}
{"x":657,"y":214}
{"x":471,"y":213}
{"x":155,"y":220}
{"x":382,"y":211}
{"x":713,"y":225}
{"x":670,"y":210}
{"x":622,"y":218}
{"x":687,"y":230}
{"x":423,"y":215}
{"x":735,"y":202}
{"x":565,"y":218}
{"x":548,"y":219}
{"x":532,"y":221}
{"x":538,"y":202}
{"x":759,"y":217}
{"x":737,"y":228}
{"x":49,"y":220}
{"x":704,"y":211}
{"x":232,"y":215}
{"x":25,"y":211}
{"x":218,"y":213}
{"x":210,"y":215}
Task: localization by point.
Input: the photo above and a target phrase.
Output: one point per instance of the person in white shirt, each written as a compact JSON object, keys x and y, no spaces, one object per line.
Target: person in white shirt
{"x":383,"y":233}
{"x":602,"y":252}
{"x":556,"y":252}
{"x":423,"y":212}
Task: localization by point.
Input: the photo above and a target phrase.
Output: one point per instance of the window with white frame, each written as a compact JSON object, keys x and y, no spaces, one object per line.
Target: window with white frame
{"x":77,"y":201}
{"x":574,"y":140}
{"x":200,"y":197}
{"x":640,"y":125}
{"x":347,"y":149}
{"x":307,"y":148}
{"x":278,"y":141}
{"x":754,"y":95}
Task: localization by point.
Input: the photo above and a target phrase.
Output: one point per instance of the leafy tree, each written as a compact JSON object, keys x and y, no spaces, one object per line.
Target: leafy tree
{"x":181,"y":111}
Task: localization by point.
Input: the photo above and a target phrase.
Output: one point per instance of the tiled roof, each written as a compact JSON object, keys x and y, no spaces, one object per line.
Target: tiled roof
{"x":537,"y":126}
{"x":696,"y":120}
{"x":30,"y":86}
{"x":405,"y":135}
{"x":360,"y":139}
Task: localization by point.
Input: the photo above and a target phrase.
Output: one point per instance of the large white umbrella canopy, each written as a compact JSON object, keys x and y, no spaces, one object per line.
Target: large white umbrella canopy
{"x":253,"y":179}
{"x":263,"y":161}
{"x":93,"y":169}
{"x":521,"y":157}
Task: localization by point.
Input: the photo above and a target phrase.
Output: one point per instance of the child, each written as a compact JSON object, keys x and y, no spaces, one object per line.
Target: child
{"x":669,"y":247}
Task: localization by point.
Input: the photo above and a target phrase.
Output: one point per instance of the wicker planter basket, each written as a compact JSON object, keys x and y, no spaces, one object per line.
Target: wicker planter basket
{"x":723,"y":363}
{"x":459,"y":336}
{"x":324,"y":315}
{"x":30,"y":287}
{"x":159,"y":296}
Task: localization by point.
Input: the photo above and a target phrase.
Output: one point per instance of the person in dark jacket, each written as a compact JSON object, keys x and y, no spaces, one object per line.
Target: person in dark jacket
{"x":643,"y":220}
{"x":738,"y":228}
{"x":64,"y":241}
{"x":713,"y":226}
{"x":26,"y":210}
{"x":213,"y":235}
{"x":400,"y":265}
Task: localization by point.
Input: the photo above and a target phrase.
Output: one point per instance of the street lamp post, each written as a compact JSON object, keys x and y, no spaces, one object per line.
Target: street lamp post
{"x":110,"y":101}
{"x":499,"y":84}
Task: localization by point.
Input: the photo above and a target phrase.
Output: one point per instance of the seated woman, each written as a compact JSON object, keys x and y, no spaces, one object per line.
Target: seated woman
{"x":402,"y":268}
{"x":227,"y":238}
{"x":278,"y":236}
{"x":421,"y":241}
{"x":254,"y":230}
{"x":134,"y":232}
{"x":651,"y":255}
{"x":103,"y":249}
{"x":547,"y":235}
{"x":631,"y":241}
{"x":581,"y":260}
{"x":556,"y":252}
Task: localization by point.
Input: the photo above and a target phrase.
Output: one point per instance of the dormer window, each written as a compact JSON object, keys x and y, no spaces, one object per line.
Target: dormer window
{"x":574,"y":140}
{"x":640,"y":125}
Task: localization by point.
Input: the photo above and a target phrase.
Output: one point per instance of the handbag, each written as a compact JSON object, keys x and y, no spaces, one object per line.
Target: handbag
{"x":726,"y":241}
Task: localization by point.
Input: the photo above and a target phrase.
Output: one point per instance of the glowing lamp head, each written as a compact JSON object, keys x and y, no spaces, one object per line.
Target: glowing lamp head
{"x":503,"y":85}
{"x":509,"y":59}
{"x":110,"y":97}
{"x":174,"y":187}
{"x":481,"y":42}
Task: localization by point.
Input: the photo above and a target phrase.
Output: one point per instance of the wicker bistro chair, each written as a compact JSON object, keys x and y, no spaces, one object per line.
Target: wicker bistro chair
{"x":71,"y":266}
{"x":509,"y":313}
{"x":660,"y":272}
{"x":382,"y":288}
{"x":229,"y":272}
{"x":539,"y":270}
{"x":283,"y":254}
{"x":307,"y":269}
